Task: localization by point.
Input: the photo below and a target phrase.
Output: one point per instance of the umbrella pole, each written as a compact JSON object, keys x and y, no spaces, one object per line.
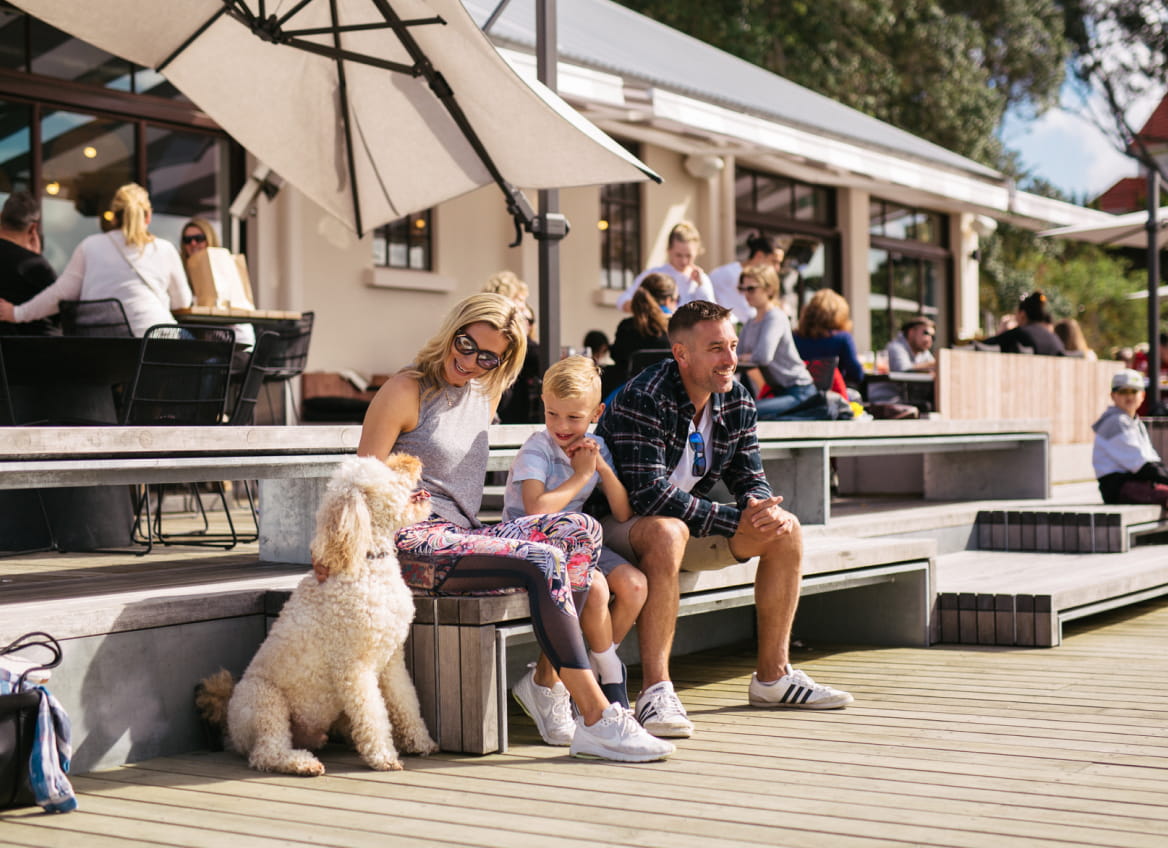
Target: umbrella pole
{"x":1154,"y":404}
{"x":546,"y":57}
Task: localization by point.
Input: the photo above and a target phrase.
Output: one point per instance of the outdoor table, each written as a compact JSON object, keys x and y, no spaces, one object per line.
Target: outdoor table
{"x":914,"y":387}
{"x":223,"y":316}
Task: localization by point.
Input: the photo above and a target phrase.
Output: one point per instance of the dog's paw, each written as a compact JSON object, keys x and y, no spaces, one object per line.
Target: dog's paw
{"x":421,"y":746}
{"x":295,"y":762}
{"x":383,"y":762}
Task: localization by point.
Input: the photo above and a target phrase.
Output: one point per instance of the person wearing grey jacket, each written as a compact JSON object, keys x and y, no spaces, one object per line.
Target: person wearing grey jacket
{"x":1126,"y":464}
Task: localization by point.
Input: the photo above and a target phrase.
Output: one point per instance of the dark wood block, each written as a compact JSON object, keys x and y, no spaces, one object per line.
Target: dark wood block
{"x":1055,"y":520}
{"x":984,"y":530}
{"x":1004,"y":619}
{"x":1086,"y":527}
{"x":1045,"y":625}
{"x":985,"y":620}
{"x":967,"y":618}
{"x":997,"y":530}
{"x":1028,"y":531}
{"x":1024,"y":620}
{"x":1042,"y":531}
{"x":1013,"y":531}
{"x":950,"y":629}
{"x":1116,"y":540}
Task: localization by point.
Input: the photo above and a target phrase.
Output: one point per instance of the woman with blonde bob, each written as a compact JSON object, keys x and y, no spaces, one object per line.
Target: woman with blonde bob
{"x":766,"y":349}
{"x":438,"y":409}
{"x":682,"y":249}
{"x":128,"y":263}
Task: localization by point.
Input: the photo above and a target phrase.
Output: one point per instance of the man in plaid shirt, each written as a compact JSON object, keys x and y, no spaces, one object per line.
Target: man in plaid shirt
{"x":675,"y":430}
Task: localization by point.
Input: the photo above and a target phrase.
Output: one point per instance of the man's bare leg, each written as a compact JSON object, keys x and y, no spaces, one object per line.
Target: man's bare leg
{"x":659,"y":544}
{"x":776,"y":596}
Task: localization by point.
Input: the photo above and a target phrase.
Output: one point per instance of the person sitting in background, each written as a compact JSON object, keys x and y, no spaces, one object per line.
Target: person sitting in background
{"x":648,"y":328}
{"x":24,"y":273}
{"x":684,"y":246}
{"x":1071,"y":335}
{"x":597,"y":344}
{"x":909,"y":351}
{"x":128,"y":263}
{"x":724,"y":278}
{"x":197,"y":235}
{"x":1139,"y":362}
{"x":766,"y":349}
{"x":1127,"y":466}
{"x":1033,"y":330}
{"x":825,"y":330}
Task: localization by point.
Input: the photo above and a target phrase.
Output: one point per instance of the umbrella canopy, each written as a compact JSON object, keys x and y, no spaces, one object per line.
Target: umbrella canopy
{"x":1130,"y":230}
{"x":372,"y":108}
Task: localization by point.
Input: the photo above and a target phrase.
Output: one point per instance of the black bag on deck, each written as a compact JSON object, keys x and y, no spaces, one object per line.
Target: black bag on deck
{"x":18,"y":715}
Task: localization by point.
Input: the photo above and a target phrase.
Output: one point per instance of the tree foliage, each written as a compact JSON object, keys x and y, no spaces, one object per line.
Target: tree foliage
{"x":946,"y":70}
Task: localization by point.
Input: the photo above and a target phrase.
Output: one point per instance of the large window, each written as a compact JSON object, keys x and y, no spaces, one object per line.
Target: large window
{"x":405,"y":243}
{"x":76,"y":123}
{"x":620,"y":232}
{"x":908,"y":265}
{"x":802,"y":219}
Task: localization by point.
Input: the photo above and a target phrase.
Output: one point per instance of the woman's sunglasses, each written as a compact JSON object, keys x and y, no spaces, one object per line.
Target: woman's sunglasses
{"x":466,"y":346}
{"x":747,"y":289}
{"x":195,"y":238}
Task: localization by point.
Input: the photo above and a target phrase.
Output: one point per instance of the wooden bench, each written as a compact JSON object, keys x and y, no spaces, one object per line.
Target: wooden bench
{"x":462,"y":657}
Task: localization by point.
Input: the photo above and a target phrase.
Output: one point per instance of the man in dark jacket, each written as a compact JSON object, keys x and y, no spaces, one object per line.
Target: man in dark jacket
{"x":23,"y":271}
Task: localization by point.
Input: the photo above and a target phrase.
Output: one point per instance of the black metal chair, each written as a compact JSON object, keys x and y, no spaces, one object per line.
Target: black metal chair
{"x":8,"y":418}
{"x":288,"y":358}
{"x":105,"y":317}
{"x":182,"y":379}
{"x":639,"y":360}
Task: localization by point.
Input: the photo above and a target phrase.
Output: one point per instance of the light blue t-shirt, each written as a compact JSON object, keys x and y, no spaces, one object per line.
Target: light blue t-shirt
{"x":541,"y":458}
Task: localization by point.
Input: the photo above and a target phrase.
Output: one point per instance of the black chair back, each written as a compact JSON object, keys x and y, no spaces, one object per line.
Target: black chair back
{"x":639,"y":360}
{"x":290,"y":352}
{"x":259,"y":368}
{"x":183,"y":376}
{"x":94,"y":318}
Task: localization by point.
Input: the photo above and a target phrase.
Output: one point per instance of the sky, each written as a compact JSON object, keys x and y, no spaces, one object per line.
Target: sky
{"x":1066,"y":148}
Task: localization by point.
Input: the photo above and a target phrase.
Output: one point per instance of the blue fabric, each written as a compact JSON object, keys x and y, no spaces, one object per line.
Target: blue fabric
{"x":48,"y":765}
{"x":839,"y":344}
{"x":778,"y":405}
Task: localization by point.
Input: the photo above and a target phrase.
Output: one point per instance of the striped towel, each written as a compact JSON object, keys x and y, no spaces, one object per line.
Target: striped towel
{"x":48,"y":765}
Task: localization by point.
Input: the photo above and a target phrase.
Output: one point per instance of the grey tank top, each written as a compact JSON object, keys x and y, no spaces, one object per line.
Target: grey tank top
{"x":451,"y":441}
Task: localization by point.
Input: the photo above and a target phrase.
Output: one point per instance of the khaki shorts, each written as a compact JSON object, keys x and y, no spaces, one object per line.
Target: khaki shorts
{"x":704,"y":553}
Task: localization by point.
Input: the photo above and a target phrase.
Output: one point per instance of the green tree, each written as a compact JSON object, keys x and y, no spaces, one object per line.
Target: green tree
{"x":946,"y":70}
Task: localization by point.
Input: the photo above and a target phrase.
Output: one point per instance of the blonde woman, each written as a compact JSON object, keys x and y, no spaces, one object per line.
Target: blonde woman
{"x":197,"y":235}
{"x":127,"y":263}
{"x":682,"y":250}
{"x":766,"y":348}
{"x":438,"y":409}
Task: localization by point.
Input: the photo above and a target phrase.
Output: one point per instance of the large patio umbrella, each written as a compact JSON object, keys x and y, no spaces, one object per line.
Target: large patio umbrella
{"x":1130,"y":230}
{"x":372,"y":108}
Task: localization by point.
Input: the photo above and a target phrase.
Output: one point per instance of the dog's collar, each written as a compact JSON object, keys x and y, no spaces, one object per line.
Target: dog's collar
{"x":378,"y":554}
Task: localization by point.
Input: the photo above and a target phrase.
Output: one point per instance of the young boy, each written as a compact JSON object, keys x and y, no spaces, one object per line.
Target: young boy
{"x":1128,"y":467}
{"x":555,"y":471}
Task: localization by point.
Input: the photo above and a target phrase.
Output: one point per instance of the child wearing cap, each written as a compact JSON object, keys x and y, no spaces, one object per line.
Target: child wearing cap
{"x":1127,"y":466}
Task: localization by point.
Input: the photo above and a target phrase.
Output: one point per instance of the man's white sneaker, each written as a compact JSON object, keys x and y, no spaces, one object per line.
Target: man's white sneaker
{"x":795,"y":689}
{"x":550,"y":709}
{"x":617,"y":736}
{"x":660,"y":712}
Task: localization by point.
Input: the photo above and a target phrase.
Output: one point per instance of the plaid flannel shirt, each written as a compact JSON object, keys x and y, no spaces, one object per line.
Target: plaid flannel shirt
{"x":646,"y":427}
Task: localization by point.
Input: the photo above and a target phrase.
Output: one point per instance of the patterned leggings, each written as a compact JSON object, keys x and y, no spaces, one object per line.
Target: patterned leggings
{"x":551,"y":556}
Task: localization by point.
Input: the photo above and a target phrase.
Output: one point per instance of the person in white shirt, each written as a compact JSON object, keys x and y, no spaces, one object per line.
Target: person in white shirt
{"x":724,"y":278}
{"x":692,"y":282}
{"x":128,"y":263}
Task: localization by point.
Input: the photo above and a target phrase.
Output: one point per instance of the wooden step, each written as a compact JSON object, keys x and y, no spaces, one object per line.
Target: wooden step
{"x":1086,"y":529}
{"x":1023,"y":598}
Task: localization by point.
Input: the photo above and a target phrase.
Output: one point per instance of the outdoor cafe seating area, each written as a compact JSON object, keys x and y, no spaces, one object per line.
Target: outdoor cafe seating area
{"x":97,"y":374}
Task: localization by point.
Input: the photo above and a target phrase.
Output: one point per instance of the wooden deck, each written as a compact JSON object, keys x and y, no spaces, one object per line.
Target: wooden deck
{"x":947,"y":746}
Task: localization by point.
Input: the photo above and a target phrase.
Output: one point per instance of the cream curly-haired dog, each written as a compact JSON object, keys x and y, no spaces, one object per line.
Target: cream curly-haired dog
{"x":335,"y":653}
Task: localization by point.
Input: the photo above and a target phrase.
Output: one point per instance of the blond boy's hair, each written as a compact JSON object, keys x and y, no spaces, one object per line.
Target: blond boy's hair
{"x":573,"y":377}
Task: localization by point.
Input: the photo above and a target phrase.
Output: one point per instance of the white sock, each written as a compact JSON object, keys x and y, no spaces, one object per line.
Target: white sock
{"x":608,"y":665}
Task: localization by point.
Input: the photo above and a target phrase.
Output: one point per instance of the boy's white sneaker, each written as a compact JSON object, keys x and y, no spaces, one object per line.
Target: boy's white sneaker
{"x":550,"y":709}
{"x":798,"y":691}
{"x":660,"y":712}
{"x":617,"y":736}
